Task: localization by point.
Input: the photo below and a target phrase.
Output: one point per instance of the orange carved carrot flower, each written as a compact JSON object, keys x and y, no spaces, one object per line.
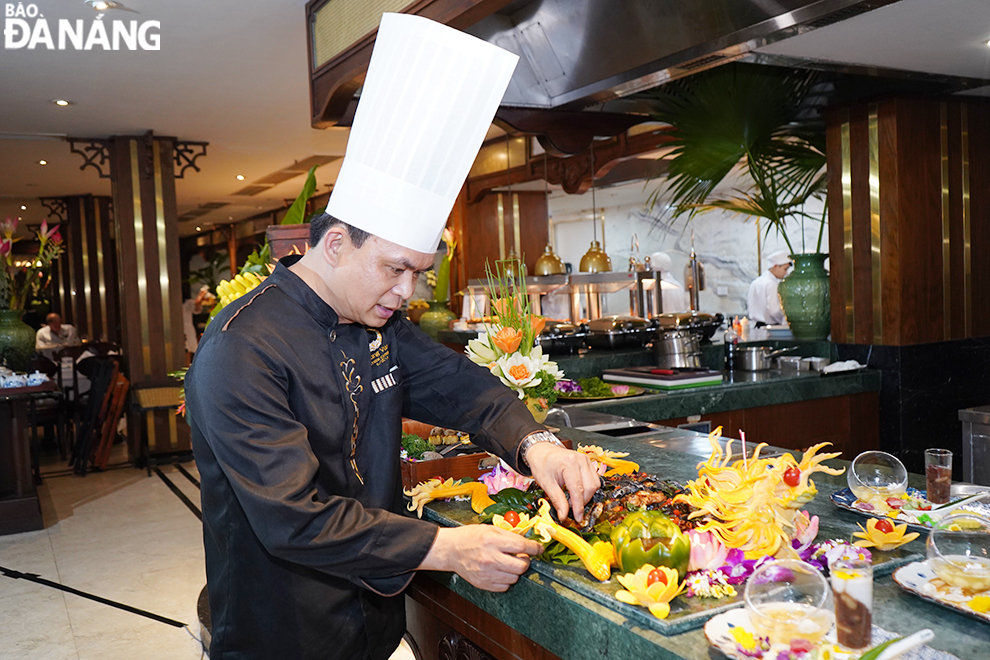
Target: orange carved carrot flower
{"x":538,"y":323}
{"x":507,"y":340}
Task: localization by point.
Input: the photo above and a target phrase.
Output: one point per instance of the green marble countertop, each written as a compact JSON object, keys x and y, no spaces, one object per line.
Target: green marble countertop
{"x":575,"y":627}
{"x":739,"y":390}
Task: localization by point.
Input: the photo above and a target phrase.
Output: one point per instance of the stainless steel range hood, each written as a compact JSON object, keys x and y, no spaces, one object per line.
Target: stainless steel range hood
{"x":576,"y":53}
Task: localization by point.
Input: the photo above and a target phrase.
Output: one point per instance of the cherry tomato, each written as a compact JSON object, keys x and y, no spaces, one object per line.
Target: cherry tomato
{"x":511,"y":517}
{"x":884,"y":526}
{"x":895,"y":502}
{"x":656,"y":575}
{"x":801,"y":645}
{"x":792,"y":477}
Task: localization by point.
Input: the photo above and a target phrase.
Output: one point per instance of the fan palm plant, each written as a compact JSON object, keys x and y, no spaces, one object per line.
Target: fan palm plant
{"x":750,"y":117}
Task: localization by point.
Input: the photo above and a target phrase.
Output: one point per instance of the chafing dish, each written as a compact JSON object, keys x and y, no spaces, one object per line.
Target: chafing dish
{"x":619,"y":331}
{"x":703,"y":324}
{"x":558,"y":337}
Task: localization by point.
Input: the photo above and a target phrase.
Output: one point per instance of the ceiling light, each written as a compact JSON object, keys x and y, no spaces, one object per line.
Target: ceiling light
{"x":42,"y":162}
{"x":199,"y":229}
{"x":60,"y":102}
{"x":24,"y":208}
{"x":240,"y":177}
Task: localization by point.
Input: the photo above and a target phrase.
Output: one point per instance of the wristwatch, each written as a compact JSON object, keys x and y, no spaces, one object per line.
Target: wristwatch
{"x":533,"y":438}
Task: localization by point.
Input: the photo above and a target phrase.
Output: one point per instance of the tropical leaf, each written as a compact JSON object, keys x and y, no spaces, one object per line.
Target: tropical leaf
{"x":744,"y":118}
{"x":297,"y":212}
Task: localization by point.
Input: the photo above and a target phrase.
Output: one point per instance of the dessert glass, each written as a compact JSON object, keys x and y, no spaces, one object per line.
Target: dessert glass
{"x":789,"y":599}
{"x":877,"y":473}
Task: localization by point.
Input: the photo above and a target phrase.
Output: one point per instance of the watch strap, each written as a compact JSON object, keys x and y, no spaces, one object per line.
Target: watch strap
{"x":534,"y":438}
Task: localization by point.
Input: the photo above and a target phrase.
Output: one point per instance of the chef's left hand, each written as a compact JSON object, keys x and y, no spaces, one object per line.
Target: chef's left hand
{"x":554,"y":467}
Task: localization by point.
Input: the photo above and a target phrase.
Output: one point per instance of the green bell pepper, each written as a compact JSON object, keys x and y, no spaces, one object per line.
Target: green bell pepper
{"x":650,"y":537}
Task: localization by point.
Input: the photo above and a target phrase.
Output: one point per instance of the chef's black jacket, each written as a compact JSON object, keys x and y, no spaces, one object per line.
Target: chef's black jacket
{"x":307,"y":549}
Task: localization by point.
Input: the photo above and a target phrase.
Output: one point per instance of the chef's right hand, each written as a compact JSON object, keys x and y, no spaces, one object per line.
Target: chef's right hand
{"x":487,"y":557}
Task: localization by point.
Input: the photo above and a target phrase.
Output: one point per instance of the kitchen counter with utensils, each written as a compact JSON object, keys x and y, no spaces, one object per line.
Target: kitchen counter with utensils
{"x":738,"y":390}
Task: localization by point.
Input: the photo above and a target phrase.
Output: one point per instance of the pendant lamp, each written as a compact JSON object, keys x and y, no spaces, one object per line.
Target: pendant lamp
{"x":548,"y":263}
{"x":595,"y":260}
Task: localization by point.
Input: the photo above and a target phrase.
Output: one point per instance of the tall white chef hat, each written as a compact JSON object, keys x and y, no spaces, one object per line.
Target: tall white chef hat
{"x":661,"y":261}
{"x":778,"y":258}
{"x":428,"y":99}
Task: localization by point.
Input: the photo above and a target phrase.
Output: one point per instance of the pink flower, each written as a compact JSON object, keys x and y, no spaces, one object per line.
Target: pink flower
{"x":707,"y":551}
{"x":502,"y":477}
{"x":8,"y":227}
{"x":45,"y":233}
{"x":6,"y":245}
{"x":57,"y":236}
{"x":805,"y":529}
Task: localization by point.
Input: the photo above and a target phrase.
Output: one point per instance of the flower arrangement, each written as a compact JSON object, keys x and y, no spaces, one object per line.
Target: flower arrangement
{"x":507,"y":346}
{"x":21,"y":281}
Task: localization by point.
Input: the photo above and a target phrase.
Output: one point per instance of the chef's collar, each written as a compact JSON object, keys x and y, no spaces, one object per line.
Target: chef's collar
{"x":294,"y":287}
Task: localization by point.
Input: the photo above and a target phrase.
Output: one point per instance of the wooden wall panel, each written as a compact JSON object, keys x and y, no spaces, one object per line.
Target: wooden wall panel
{"x":838,"y":278}
{"x":481,"y":237}
{"x":979,"y":172}
{"x":83,"y":290}
{"x":919,"y":221}
{"x":862,"y":263}
{"x":908,"y":183}
{"x":850,"y":423}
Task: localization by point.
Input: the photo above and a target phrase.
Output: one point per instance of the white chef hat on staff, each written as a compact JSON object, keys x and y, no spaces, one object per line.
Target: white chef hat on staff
{"x":428,"y":99}
{"x":778,"y":258}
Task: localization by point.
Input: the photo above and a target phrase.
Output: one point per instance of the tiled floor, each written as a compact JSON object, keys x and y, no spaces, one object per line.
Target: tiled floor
{"x":119,"y":535}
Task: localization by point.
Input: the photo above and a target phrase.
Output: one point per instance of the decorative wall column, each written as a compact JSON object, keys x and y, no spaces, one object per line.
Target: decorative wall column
{"x":84,"y":279}
{"x":142,"y":171}
{"x":909,"y":235}
{"x":909,"y":221}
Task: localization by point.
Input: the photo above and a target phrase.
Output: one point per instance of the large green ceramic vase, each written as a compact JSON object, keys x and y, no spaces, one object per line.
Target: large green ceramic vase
{"x":16,"y":340}
{"x":436,"y":318}
{"x":804,"y":295}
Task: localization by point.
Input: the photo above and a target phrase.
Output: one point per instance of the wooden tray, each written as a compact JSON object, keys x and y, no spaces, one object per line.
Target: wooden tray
{"x":465,"y":466}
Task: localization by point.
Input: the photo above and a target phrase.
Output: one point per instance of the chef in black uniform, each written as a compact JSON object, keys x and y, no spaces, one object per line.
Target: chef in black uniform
{"x":297,"y":391}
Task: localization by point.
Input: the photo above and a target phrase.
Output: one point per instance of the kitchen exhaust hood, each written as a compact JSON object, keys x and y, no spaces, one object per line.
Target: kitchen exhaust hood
{"x":597,"y":54}
{"x":576,"y":53}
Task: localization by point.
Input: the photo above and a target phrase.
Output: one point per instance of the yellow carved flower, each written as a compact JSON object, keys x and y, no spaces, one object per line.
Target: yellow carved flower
{"x":612,"y":459}
{"x":524,"y":525}
{"x":871,"y":537}
{"x":435,"y":489}
{"x":656,"y":596}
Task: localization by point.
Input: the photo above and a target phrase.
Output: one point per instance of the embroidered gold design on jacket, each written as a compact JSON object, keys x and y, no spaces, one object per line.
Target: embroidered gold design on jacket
{"x":352,"y":382}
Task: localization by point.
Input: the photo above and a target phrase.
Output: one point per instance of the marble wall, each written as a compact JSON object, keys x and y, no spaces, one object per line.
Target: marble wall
{"x":725,"y":243}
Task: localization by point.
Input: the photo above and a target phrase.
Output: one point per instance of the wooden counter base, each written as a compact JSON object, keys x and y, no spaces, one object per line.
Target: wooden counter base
{"x":448,"y":627}
{"x":851,"y":423}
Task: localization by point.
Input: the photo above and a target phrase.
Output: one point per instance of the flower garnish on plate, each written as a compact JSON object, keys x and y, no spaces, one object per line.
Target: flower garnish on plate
{"x":980,"y":603}
{"x":651,"y":587}
{"x":749,"y":644}
{"x":883,"y":535}
{"x":708,"y":583}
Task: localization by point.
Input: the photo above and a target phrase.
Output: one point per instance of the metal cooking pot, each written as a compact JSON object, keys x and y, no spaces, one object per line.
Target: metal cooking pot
{"x":677,"y":349}
{"x":758,"y":358}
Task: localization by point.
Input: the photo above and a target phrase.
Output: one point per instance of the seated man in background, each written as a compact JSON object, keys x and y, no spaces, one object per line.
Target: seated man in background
{"x":55,"y":336}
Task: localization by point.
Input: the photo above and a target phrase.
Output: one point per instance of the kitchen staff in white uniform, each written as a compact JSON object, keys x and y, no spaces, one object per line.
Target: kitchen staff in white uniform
{"x":674,"y":297}
{"x":762,"y":299}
